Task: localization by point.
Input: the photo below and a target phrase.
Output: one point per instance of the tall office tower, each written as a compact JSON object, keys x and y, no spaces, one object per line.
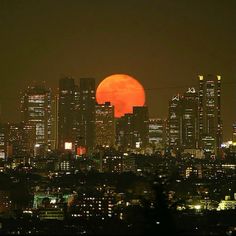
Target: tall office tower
{"x":66,"y":112}
{"x":140,"y":125}
{"x":87,"y":113}
{"x":157,"y":133}
{"x":124,"y":132}
{"x":3,"y":142}
{"x":36,"y":110}
{"x":234,"y":132}
{"x":189,"y":115}
{"x":76,"y":130}
{"x":21,"y":139}
{"x":104,"y":125}
{"x":174,"y":133}
{"x":209,"y":110}
{"x":54,"y":109}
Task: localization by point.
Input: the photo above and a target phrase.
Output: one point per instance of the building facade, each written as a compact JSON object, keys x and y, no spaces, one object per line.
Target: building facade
{"x":140,"y":126}
{"x":21,"y":139}
{"x":3,"y":142}
{"x":66,"y":112}
{"x":36,"y":111}
{"x":104,"y":125}
{"x":157,"y":133}
{"x":124,"y":132}
{"x":86,"y":119}
{"x":175,"y":123}
{"x":189,"y":121}
{"x":234,"y":132}
{"x":209,"y":113}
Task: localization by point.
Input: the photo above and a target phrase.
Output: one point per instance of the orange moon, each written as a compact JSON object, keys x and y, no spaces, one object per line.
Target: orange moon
{"x":122,"y":91}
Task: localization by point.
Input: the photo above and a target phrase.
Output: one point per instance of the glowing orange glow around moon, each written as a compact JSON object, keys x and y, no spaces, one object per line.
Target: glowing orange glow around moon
{"x":123,"y":91}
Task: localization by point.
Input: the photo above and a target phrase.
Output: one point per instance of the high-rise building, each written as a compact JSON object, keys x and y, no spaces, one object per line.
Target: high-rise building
{"x":21,"y":139}
{"x":140,"y":125}
{"x":189,"y":121}
{"x":36,"y":111}
{"x":132,"y":130}
{"x":157,"y":133}
{"x":105,"y":125}
{"x":183,"y":121}
{"x":3,"y":142}
{"x":124,"y":132}
{"x":86,"y":121}
{"x":174,"y":133}
{"x":66,"y":112}
{"x":54,"y":109}
{"x":234,"y":132}
{"x":209,"y":113}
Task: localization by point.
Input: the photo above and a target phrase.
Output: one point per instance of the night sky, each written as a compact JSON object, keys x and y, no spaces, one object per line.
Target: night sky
{"x":164,"y":44}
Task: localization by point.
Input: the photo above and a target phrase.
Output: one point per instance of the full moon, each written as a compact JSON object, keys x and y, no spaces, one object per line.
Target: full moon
{"x":122,"y":91}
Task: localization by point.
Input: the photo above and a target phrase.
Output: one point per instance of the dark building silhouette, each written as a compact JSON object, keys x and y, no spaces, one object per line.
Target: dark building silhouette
{"x":86,"y":116}
{"x":21,"y":139}
{"x":66,"y":112}
{"x":132,"y":130}
{"x":140,"y":125}
{"x":124,"y":132}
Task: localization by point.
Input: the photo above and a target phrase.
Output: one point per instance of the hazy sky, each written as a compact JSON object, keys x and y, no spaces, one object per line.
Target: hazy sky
{"x":164,"y":44}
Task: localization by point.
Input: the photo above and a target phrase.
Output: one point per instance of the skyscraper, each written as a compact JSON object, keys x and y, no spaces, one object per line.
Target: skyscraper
{"x":21,"y":139}
{"x":234,"y":132}
{"x":66,"y":112}
{"x":86,"y":119}
{"x":183,"y":121}
{"x":125,"y":132}
{"x":54,"y":109}
{"x":140,"y":126}
{"x":157,"y":133}
{"x":209,"y":111}
{"x":36,"y":111}
{"x":189,"y":121}
{"x":105,"y":125}
{"x":3,"y":142}
{"x":174,"y":133}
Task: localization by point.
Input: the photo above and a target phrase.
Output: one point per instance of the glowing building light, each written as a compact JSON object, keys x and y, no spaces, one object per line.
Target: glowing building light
{"x":68,"y":146}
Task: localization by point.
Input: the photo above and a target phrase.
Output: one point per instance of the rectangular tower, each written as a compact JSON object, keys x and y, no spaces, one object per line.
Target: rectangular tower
{"x":234,"y":132}
{"x":86,"y":121}
{"x":36,"y":111}
{"x":189,"y":118}
{"x":105,"y":125}
{"x":125,"y":132}
{"x":157,"y":133}
{"x":209,"y":111}
{"x":175,"y":123}
{"x":140,"y":125}
{"x":21,"y":139}
{"x":66,"y":112}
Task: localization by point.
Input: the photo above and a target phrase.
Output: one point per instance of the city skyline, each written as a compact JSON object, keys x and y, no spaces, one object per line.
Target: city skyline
{"x":118,"y":117}
{"x":165,"y":46}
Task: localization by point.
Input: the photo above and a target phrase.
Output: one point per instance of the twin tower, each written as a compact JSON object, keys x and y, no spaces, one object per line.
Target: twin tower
{"x":64,"y":120}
